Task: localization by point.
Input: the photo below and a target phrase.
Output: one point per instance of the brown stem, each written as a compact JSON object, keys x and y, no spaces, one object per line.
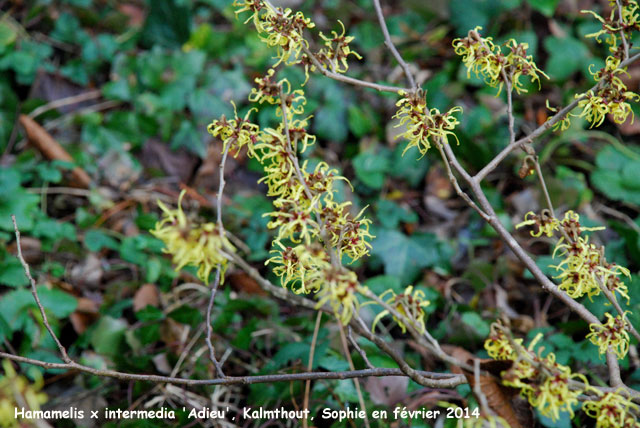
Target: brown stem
{"x":34,"y":292}
{"x":391,"y":46}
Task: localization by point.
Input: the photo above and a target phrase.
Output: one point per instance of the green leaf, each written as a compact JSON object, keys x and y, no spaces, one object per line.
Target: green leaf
{"x":617,"y":173}
{"x":371,"y":168}
{"x":566,"y":56}
{"x":405,"y":256}
{"x":150,"y":313}
{"x":186,"y":315}
{"x":8,"y":34}
{"x":108,"y":334}
{"x":15,"y":200}
{"x":189,"y":138}
{"x":329,"y":122}
{"x":12,"y":273}
{"x":167,"y":24}
{"x":545,"y":7}
{"x":408,"y":166}
{"x":391,"y":214}
{"x":5,"y":330}
{"x":95,"y":240}
{"x":475,"y":321}
{"x":57,"y":302}
{"x":381,"y":283}
{"x":362,"y":120}
{"x":333,"y":363}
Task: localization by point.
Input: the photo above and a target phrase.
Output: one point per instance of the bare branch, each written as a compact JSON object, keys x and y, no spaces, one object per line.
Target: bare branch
{"x":346,"y":79}
{"x":358,"y":348}
{"x":391,"y":46}
{"x":542,"y":128}
{"x":625,"y":44}
{"x":34,"y":292}
{"x":545,"y":282}
{"x":442,"y":380}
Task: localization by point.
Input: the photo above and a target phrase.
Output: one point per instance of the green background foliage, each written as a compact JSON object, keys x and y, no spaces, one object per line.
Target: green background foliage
{"x":165,"y":69}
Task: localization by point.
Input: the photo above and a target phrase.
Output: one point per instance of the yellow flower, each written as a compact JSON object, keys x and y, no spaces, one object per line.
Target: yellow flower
{"x":610,"y":335}
{"x":564,"y":123}
{"x":424,"y":125}
{"x":498,"y":345}
{"x":408,"y":304}
{"x":278,"y":27}
{"x":338,"y":287}
{"x":484,"y":58}
{"x":541,"y":380}
{"x":192,"y":245}
{"x":544,"y":222}
{"x":612,"y":410}
{"x":17,"y":392}
{"x":236,"y":133}
{"x":297,"y":266}
{"x":338,"y":50}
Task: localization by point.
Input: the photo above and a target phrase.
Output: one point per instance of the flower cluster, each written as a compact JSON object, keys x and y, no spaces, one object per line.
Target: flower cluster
{"x":424,"y":126}
{"x":278,"y":27}
{"x":409,"y":305}
{"x":545,"y":383}
{"x":611,"y":335}
{"x":611,"y":96}
{"x":314,"y":231}
{"x":612,"y":410}
{"x":616,"y":25}
{"x":17,"y":392}
{"x":545,"y":223}
{"x":337,"y":50}
{"x":191,"y":244}
{"x":584,"y":269}
{"x":235,"y":133}
{"x":483,"y":57}
{"x":283,"y":29}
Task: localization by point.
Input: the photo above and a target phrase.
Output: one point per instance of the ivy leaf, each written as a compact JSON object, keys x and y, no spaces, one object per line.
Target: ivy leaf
{"x":371,"y":168}
{"x":108,"y":335}
{"x":405,"y":256}
{"x":545,"y":7}
{"x":12,"y":273}
{"x":566,"y":56}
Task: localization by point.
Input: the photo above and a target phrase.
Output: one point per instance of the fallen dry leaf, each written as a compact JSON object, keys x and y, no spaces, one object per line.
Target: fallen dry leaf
{"x":498,"y":396}
{"x":146,"y":295}
{"x":388,"y":391}
{"x":240,"y":281}
{"x":52,"y":150}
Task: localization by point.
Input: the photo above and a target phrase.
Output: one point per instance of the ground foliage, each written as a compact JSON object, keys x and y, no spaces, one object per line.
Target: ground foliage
{"x":161,"y":71}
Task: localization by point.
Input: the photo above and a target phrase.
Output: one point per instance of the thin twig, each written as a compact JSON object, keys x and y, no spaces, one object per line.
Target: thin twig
{"x":391,"y":46}
{"x":218,"y":277}
{"x":354,"y":343}
{"x":356,"y":382}
{"x":441,"y":380}
{"x":85,"y":96}
{"x":34,"y":292}
{"x":511,"y":242}
{"x":212,"y":351}
{"x":625,"y":44}
{"x":346,"y":79}
{"x":543,"y":185}
{"x":477,"y":387}
{"x":614,"y":370}
{"x":312,"y":350}
{"x":493,"y":164}
{"x":454,"y":182}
